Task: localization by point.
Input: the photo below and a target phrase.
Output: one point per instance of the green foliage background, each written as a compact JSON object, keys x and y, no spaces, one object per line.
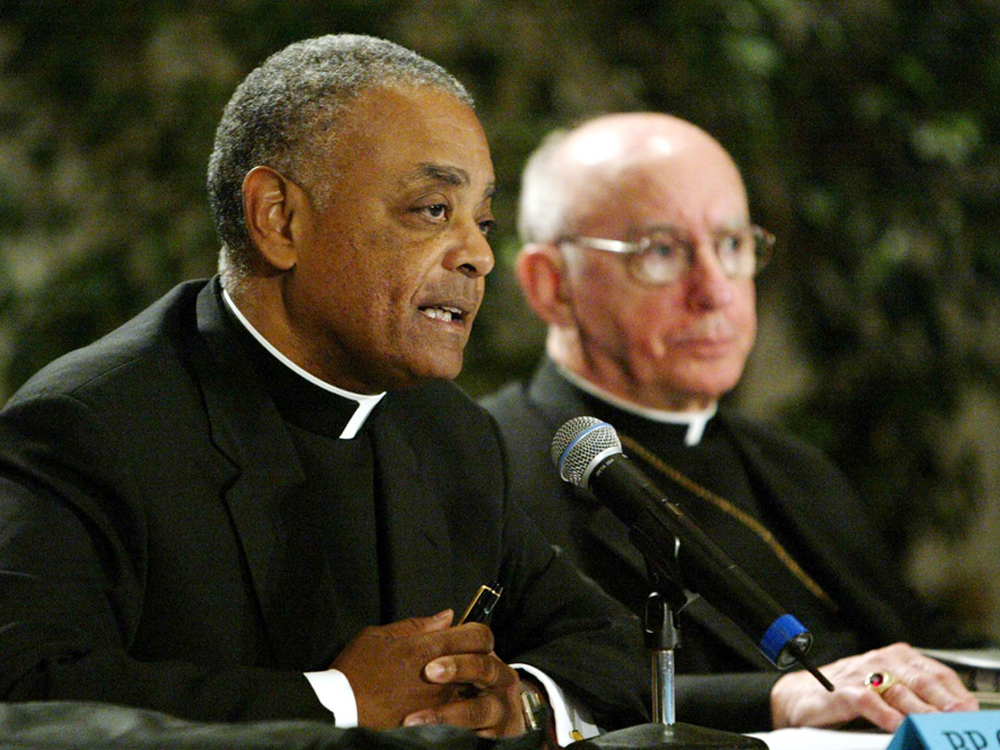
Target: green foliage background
{"x":867,"y":131}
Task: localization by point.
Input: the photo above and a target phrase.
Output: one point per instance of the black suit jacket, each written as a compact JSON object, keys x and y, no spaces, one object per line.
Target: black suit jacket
{"x":150,"y":554}
{"x":818,"y":515}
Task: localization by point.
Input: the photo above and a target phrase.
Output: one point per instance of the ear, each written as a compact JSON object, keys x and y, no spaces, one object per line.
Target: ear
{"x":541,"y":272}
{"x":276,"y":210}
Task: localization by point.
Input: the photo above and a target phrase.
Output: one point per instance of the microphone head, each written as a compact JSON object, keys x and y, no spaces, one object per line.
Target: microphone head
{"x":578,"y":442}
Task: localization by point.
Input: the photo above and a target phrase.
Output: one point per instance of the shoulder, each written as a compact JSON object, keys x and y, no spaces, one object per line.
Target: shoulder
{"x":526,"y":429}
{"x":517,"y":413}
{"x":799,"y":460}
{"x":134,"y":354}
{"x":770,"y":438}
{"x":115,"y":390}
{"x":510,"y":398}
{"x":100,"y":422}
{"x":510,"y":405}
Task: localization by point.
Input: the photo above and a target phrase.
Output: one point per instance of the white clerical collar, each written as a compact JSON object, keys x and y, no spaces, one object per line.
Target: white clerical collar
{"x":695,"y":420}
{"x":366,"y":403}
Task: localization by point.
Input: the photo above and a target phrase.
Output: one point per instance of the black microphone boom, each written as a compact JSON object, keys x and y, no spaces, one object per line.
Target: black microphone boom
{"x":588,"y":454}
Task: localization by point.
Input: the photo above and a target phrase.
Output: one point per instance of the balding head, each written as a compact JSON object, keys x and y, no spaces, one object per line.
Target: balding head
{"x":609,"y":158}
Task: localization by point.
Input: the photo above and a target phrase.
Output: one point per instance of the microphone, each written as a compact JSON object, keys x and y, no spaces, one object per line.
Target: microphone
{"x":588,"y":454}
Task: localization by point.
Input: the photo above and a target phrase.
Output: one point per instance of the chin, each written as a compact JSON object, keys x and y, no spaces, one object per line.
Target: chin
{"x":712,"y":386}
{"x":716,"y":389}
{"x":442,"y":369}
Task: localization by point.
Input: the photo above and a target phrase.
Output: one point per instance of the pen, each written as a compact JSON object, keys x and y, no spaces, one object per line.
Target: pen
{"x":480,"y":609}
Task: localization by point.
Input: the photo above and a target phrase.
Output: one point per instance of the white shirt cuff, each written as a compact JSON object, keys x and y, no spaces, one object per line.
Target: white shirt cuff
{"x":573,"y":721}
{"x":336,"y":695}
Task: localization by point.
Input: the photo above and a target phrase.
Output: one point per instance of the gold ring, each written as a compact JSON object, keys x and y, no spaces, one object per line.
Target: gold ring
{"x":880,"y":682}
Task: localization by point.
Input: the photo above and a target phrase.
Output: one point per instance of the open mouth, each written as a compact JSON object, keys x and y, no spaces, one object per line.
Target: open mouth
{"x":446,"y":314}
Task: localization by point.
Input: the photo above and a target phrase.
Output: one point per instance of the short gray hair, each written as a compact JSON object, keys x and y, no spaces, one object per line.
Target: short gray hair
{"x":543,"y":212}
{"x":285,"y":113}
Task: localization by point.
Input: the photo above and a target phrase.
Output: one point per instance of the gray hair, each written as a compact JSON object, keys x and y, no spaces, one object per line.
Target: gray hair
{"x":285,"y":114}
{"x":542,"y":213}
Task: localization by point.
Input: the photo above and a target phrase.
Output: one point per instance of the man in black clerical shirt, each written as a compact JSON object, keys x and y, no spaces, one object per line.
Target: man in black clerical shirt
{"x":639,"y":255}
{"x":250,"y":501}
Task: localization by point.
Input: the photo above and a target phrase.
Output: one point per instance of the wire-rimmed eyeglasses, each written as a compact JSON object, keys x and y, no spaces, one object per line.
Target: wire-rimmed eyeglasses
{"x":664,"y":254}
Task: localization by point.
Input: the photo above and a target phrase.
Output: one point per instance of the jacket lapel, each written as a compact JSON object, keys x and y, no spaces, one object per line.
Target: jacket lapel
{"x":247,"y":429}
{"x":828,"y":538}
{"x":414,"y":543}
{"x":792,"y":499}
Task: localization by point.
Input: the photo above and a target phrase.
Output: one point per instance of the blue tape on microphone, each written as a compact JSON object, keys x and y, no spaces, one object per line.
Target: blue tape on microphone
{"x":782,"y":630}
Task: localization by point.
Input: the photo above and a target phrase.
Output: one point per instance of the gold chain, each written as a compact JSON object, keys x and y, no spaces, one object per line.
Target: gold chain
{"x":731,"y":510}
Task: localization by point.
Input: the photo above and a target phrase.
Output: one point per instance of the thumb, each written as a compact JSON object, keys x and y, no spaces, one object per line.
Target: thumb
{"x":417,"y":625}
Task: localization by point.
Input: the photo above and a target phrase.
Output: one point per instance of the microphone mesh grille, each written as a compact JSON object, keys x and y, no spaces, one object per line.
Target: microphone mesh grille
{"x":578,"y":442}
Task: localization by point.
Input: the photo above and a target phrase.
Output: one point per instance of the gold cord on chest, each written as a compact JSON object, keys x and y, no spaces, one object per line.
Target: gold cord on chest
{"x":731,"y":510}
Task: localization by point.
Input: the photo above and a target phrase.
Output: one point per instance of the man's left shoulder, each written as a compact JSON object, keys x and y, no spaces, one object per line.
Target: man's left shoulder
{"x":768,"y":436}
{"x":780,"y":449}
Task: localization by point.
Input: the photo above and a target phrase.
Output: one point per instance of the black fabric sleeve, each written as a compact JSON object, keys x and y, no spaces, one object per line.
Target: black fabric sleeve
{"x":738,"y":702}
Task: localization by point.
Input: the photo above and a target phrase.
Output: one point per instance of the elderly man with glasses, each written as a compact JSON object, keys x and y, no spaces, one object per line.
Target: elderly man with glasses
{"x":640,"y":256}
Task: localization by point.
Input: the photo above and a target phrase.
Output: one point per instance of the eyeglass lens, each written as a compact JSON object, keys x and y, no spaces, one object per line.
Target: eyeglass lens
{"x":665,"y":257}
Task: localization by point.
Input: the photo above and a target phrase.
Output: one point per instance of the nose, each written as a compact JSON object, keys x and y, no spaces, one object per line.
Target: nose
{"x":471,"y":255}
{"x":709,"y":287}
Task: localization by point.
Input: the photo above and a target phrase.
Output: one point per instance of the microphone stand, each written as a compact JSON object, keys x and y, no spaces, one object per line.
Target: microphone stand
{"x":662,"y":635}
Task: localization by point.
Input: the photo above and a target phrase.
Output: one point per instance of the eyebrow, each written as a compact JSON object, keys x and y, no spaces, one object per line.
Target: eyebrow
{"x":449,"y":175}
{"x":674,"y":229}
{"x":441,"y":173}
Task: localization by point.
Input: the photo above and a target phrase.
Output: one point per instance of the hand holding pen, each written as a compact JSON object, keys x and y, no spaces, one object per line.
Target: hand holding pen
{"x":537,"y":715}
{"x":491,"y":704}
{"x":389,"y":666}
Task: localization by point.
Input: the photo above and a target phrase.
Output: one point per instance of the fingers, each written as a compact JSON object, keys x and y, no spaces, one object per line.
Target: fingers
{"x":490,"y":704}
{"x":491,"y":713}
{"x":484,"y":712}
{"x":798,"y":700}
{"x":888,"y":709}
{"x":471,"y":638}
{"x":930,"y":683}
{"x":385,"y":666}
{"x":867,"y":704}
{"x":481,"y":670}
{"x":432,"y":637}
{"x":921,"y":685}
{"x":418,"y":625}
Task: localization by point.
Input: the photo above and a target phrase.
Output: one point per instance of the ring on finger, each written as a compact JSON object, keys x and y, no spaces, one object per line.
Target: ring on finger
{"x":880,"y":681}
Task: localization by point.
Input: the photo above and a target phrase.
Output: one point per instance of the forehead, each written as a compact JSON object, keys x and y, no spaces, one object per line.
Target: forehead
{"x":415,"y":134}
{"x":695,"y":188}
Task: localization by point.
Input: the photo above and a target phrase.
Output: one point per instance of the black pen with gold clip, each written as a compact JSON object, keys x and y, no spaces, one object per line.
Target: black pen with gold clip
{"x":480,"y":609}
